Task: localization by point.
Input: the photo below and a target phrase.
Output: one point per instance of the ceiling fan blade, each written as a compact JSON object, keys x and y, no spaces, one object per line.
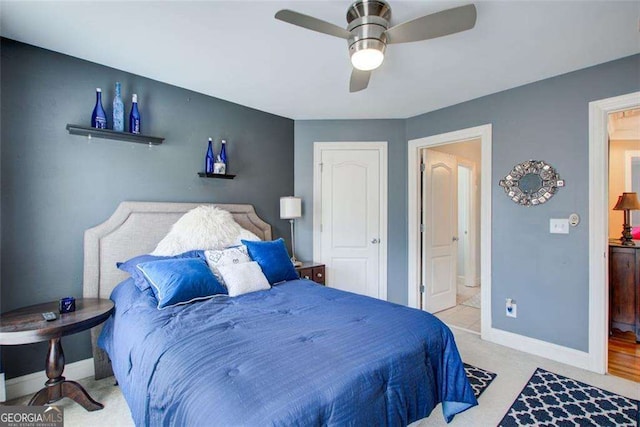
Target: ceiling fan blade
{"x":359,"y":80}
{"x":437,"y":24}
{"x":311,"y":23}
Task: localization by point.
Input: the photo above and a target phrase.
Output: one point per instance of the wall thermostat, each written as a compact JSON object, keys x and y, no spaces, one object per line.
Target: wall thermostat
{"x":574,"y":219}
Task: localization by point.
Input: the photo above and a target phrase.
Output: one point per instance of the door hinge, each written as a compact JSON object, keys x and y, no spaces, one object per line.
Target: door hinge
{"x":422,"y":228}
{"x":422,"y":167}
{"x":422,"y":289}
{"x":321,"y":166}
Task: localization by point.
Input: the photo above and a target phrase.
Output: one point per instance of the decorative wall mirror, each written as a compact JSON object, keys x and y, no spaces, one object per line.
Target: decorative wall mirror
{"x":531,"y":183}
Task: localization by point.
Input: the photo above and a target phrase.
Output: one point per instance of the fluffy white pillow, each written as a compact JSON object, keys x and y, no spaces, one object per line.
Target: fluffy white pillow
{"x":246,"y":235}
{"x":233,"y":255}
{"x":243,"y":278}
{"x":205,"y":227}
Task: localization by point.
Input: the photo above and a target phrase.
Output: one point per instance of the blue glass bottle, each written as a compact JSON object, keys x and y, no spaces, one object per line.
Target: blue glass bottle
{"x":209,"y":159}
{"x":134,"y":117}
{"x":99,"y":117}
{"x":118,"y":110}
{"x":223,"y":155}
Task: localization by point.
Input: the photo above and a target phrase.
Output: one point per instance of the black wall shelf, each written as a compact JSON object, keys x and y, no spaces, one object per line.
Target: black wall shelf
{"x":215,"y":175}
{"x":110,"y":134}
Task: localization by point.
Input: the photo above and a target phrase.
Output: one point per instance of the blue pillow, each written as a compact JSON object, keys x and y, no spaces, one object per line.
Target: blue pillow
{"x":273,"y":259}
{"x":181,"y":281}
{"x":130,"y":266}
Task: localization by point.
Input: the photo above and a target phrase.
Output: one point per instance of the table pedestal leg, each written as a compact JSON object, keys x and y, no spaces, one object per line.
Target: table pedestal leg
{"x":57,"y":387}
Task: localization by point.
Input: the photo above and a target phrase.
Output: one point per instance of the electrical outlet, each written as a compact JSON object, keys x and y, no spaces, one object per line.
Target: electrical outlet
{"x":511,"y":309}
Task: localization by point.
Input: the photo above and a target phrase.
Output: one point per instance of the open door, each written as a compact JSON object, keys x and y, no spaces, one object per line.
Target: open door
{"x":440,"y":230}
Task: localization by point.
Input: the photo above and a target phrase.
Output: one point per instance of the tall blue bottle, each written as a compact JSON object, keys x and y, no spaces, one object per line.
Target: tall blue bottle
{"x":98,"y":117}
{"x":209,"y":159}
{"x":118,"y":110}
{"x":134,"y":117}
{"x":223,"y":156}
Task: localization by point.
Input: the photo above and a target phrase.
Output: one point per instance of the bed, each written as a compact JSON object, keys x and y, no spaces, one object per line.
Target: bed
{"x":296,"y":354}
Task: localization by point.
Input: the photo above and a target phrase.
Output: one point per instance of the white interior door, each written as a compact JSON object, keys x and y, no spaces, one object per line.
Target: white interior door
{"x":350,"y":211}
{"x":440,"y":219}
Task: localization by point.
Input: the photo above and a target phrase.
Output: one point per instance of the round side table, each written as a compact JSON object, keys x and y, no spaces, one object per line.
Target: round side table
{"x":26,"y":326}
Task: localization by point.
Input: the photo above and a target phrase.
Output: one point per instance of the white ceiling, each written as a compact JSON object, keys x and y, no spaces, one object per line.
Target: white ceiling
{"x":237,"y":51}
{"x":625,"y":125}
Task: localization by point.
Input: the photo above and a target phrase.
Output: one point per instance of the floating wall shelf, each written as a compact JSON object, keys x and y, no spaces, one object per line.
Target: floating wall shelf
{"x":215,"y":175}
{"x":110,"y":134}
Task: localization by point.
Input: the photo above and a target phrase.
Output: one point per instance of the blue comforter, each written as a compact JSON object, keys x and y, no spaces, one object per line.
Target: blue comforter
{"x":297,"y":354}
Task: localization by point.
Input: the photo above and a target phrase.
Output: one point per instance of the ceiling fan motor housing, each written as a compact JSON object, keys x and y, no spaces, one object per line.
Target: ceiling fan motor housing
{"x":368,"y":20}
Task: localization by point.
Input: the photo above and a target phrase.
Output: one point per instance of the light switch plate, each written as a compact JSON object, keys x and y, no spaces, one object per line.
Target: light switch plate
{"x":559,"y":226}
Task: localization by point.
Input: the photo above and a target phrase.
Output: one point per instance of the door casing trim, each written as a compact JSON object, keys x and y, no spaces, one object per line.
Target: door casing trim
{"x":483,"y":133}
{"x":599,"y":224}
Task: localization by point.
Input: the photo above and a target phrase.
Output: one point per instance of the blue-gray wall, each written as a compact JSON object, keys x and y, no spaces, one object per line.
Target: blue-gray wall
{"x":392,"y":131}
{"x":56,"y":185}
{"x":546,"y":274}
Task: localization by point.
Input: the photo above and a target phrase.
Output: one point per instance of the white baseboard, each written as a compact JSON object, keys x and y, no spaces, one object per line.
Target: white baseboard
{"x":3,"y":395}
{"x":555,"y":352}
{"x":31,"y":383}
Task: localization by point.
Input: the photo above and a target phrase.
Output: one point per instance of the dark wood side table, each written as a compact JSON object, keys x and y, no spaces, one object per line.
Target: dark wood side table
{"x":26,"y":326}
{"x":312,"y":271}
{"x":624,"y":288}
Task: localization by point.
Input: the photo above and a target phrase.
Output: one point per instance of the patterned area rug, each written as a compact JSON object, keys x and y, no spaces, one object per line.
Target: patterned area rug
{"x":550,"y":399}
{"x":478,"y":378}
{"x":474,"y":301}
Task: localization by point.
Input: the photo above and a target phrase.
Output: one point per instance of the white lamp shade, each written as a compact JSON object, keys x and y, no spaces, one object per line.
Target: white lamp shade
{"x":290,"y":207}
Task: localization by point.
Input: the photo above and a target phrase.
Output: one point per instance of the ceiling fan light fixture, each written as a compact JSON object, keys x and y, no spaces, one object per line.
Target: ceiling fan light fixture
{"x":367,"y":54}
{"x":367,"y":59}
{"x":368,"y":32}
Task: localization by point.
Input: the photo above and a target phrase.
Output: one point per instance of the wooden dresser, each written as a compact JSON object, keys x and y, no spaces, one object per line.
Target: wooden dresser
{"x":624,"y":288}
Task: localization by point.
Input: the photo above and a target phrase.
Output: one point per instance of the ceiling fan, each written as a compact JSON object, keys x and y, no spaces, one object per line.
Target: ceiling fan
{"x":368,"y":32}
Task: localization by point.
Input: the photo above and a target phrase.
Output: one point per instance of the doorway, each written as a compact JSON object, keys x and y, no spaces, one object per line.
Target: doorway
{"x":598,"y":224}
{"x":416,"y":285}
{"x":350,"y":215}
{"x":624,"y":176}
{"x":458,"y":239}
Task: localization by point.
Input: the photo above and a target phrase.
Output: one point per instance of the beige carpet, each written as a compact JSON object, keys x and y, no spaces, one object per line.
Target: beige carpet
{"x":513,"y":367}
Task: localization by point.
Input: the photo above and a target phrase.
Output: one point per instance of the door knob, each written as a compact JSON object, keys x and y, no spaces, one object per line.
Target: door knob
{"x":454,"y":239}
{"x":375,"y":241}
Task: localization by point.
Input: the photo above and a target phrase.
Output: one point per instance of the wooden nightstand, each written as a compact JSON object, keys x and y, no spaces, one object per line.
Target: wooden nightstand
{"x":26,"y":325}
{"x":312,"y":271}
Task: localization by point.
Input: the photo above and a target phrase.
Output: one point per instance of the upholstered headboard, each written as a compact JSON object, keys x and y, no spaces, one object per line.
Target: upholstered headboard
{"x":135,"y":228}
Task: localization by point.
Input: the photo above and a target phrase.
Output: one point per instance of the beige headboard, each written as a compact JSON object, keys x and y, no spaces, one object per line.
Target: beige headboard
{"x":135,"y":228}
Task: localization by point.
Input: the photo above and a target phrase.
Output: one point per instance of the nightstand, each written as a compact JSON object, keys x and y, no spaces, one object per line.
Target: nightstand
{"x":26,"y":325}
{"x":312,"y":271}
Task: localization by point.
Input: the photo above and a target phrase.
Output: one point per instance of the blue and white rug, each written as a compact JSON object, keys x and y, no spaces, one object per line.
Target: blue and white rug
{"x":478,"y":378}
{"x":550,"y":399}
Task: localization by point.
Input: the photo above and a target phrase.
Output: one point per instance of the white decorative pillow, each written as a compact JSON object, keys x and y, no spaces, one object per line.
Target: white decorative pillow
{"x":232,"y":255}
{"x":205,"y":227}
{"x":243,"y":278}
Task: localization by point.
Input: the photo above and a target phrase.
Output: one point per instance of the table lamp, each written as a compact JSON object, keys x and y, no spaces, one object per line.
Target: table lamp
{"x":627,"y":202}
{"x":291,"y":208}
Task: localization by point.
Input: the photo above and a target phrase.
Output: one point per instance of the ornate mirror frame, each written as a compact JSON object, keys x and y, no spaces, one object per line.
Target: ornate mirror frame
{"x":531,"y":183}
